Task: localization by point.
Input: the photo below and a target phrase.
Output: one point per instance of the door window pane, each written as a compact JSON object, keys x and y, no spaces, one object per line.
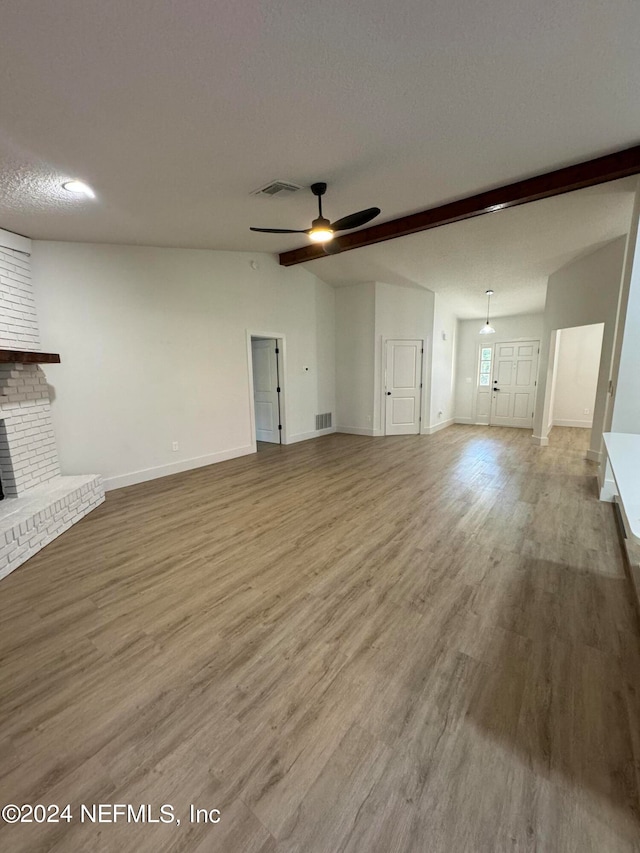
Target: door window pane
{"x":484,"y":373}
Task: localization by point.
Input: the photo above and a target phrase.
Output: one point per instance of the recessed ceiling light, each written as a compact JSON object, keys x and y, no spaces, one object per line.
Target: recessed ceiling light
{"x":78,"y":188}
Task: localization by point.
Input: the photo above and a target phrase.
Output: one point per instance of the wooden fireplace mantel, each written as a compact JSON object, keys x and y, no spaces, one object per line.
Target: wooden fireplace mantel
{"x":13,"y":356}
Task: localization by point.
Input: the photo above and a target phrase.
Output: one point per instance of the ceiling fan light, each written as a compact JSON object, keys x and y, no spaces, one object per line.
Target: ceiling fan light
{"x":321,"y":235}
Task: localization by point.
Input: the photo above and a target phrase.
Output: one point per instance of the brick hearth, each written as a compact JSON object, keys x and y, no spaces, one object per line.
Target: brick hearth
{"x":39,"y":503}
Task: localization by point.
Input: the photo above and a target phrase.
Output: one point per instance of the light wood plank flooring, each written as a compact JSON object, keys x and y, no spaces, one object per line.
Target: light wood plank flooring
{"x":349,"y":645}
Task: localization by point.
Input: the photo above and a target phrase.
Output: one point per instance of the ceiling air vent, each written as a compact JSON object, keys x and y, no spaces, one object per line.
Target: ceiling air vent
{"x":277,"y":188}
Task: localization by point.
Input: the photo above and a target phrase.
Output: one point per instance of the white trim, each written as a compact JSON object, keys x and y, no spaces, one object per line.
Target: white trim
{"x":437,"y":427}
{"x":305,"y":436}
{"x":146,"y":474}
{"x":608,"y":491}
{"x":623,"y":453}
{"x":282,"y":346}
{"x":15,"y":241}
{"x":594,"y":455}
{"x":492,"y":417}
{"x":423,"y":383}
{"x":357,"y":431}
{"x":467,"y":421}
{"x":540,"y":440}
{"x":580,"y":424}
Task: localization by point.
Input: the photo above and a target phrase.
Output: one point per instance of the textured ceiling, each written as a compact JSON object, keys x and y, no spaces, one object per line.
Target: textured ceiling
{"x":511,"y":251}
{"x":175,"y":111}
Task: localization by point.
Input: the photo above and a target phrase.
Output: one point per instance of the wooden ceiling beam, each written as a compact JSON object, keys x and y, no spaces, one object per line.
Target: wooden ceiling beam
{"x":611,"y":167}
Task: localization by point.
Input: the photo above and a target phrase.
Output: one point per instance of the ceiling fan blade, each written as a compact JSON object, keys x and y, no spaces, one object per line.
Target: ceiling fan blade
{"x":355,"y":220}
{"x":278,"y":230}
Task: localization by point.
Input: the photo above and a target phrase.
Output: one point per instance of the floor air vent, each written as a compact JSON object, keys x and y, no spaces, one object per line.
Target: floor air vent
{"x":323,"y":421}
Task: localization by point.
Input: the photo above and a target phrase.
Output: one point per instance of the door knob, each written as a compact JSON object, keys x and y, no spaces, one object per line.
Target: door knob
{"x":388,"y":393}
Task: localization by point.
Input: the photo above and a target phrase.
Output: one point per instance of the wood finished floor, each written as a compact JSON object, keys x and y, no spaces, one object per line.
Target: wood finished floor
{"x":349,"y":645}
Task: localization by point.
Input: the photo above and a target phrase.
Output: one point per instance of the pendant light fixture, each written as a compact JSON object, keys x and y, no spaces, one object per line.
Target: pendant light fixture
{"x":488,"y":329}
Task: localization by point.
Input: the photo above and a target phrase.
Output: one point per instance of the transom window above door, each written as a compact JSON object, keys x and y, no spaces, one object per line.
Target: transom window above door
{"x":486,"y":356}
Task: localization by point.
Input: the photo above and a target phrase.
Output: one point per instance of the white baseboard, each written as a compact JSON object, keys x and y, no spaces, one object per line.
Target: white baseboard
{"x":142,"y":476}
{"x":437,"y":427}
{"x":463,"y":421}
{"x":305,"y":436}
{"x":580,"y":424}
{"x":608,"y":491}
{"x":540,"y":440}
{"x":357,"y":431}
{"x":594,"y":455}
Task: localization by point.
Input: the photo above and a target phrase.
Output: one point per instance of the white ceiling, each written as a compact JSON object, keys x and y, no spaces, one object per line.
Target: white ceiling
{"x":512,"y":251}
{"x":175,"y":111}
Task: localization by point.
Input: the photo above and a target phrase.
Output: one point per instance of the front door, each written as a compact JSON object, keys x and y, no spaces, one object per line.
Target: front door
{"x":403,"y":381}
{"x":513,"y":393}
{"x":266,"y":389}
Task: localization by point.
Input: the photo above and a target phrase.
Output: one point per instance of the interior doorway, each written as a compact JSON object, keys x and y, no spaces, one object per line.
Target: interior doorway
{"x":576,"y":360}
{"x":267,"y":389}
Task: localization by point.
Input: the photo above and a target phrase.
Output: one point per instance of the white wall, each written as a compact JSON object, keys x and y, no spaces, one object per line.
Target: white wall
{"x":154,"y":350}
{"x":366,"y":316}
{"x":325,"y":371}
{"x":443,"y":360}
{"x":581,"y":293}
{"x":18,"y":319}
{"x":355,"y":322}
{"x":402,"y":313}
{"x":576,"y":376}
{"x":520,"y":327}
{"x":624,"y":415}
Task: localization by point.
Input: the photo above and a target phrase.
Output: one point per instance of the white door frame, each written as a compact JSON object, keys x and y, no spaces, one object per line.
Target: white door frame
{"x":494,"y":380}
{"x":498,"y":340}
{"x":282,"y":354}
{"x":550,"y":388}
{"x":421,"y":423}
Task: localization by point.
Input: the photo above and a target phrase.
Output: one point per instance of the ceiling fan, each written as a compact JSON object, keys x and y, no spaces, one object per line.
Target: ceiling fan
{"x":323,"y":231}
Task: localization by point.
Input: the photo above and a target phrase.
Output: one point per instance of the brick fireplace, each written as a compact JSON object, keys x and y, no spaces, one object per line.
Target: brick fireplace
{"x":39,"y":504}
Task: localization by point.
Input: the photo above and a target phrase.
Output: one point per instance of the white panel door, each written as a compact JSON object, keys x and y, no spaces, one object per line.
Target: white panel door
{"x":265,"y":390}
{"x":483,"y":390}
{"x":514,"y":383}
{"x":403,"y":378}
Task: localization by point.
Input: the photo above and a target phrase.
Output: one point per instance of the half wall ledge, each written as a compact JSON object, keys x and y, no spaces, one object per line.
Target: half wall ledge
{"x":14,"y":356}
